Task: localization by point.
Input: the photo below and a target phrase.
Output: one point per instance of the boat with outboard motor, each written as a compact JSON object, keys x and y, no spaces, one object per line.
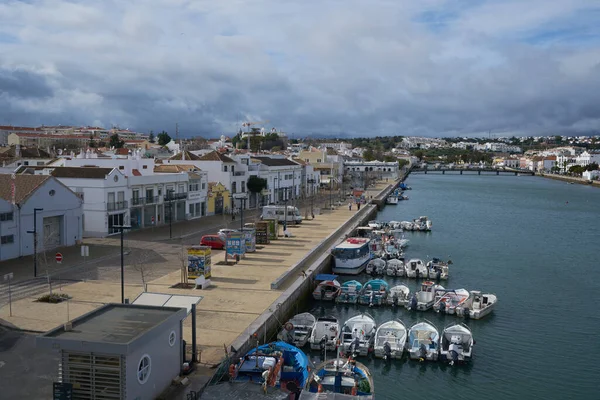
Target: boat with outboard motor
{"x":357,"y":335}
{"x":415,"y":268}
{"x":374,"y":293}
{"x":376,"y":266}
{"x":399,"y":295}
{"x":449,"y":300}
{"x":425,"y":298}
{"x":422,"y":224}
{"x":350,"y":292}
{"x":391,"y":200}
{"x":298,"y":329}
{"x":395,"y":267}
{"x":325,"y":334}
{"x":351,"y":256}
{"x":272,"y":365}
{"x":339,"y":379}
{"x":438,"y":269}
{"x":478,"y":305}
{"x":390,"y":340}
{"x":328,"y":289}
{"x":457,"y":344}
{"x":423,"y":341}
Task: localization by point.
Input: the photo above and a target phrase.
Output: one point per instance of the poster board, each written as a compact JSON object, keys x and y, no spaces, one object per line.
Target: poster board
{"x":262,"y":233}
{"x":273,"y":228}
{"x":199,"y":262}
{"x":250,"y":239}
{"x":235,"y":246}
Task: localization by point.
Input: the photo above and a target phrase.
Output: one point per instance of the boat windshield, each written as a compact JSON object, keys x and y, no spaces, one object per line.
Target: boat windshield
{"x":347,"y":254}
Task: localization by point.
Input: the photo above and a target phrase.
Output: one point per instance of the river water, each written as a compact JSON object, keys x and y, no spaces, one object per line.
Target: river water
{"x":534,"y":243}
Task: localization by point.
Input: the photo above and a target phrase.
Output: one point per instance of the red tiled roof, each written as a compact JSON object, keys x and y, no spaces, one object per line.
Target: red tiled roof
{"x":46,"y":135}
{"x":18,"y":128}
{"x":121,"y":151}
{"x":136,"y":172}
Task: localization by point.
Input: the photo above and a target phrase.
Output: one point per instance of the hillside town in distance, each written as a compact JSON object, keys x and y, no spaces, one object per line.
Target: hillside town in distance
{"x":106,"y":178}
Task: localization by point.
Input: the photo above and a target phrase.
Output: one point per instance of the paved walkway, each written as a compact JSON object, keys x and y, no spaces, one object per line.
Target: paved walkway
{"x":238,"y":295}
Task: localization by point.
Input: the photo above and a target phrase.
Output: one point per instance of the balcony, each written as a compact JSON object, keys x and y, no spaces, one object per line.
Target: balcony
{"x":176,"y":196}
{"x":151,"y":199}
{"x":117,"y":205}
{"x":239,"y":173}
{"x":137,"y":201}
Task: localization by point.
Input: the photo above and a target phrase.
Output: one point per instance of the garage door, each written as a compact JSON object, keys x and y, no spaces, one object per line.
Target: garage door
{"x":52,"y":233}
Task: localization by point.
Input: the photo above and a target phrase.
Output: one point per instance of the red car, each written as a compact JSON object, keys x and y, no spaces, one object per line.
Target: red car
{"x":213,"y":241}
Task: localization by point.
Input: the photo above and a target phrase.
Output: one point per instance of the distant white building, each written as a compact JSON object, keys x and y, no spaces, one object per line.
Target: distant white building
{"x":389,"y":170}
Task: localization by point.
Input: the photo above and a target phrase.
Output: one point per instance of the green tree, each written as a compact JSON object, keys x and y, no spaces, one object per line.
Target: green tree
{"x":389,"y":158}
{"x":151,"y":137}
{"x":419,"y":154}
{"x":116,"y":142}
{"x":369,"y":155}
{"x":163,"y":138}
{"x":592,"y":167}
{"x":256,"y":184}
{"x":402,"y":162}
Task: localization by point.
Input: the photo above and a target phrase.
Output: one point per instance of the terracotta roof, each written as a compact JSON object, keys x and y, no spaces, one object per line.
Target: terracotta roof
{"x":25,"y":186}
{"x":331,"y":152}
{"x":81,"y":172}
{"x":26,"y":152}
{"x":216,"y":156}
{"x":275,"y":162}
{"x":135,"y":172}
{"x":18,"y":128}
{"x":121,"y":151}
{"x":174,"y":168}
{"x":193,"y":175}
{"x":185,"y":155}
{"x":47,"y":135}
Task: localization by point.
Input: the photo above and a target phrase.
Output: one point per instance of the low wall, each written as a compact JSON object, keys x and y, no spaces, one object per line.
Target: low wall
{"x":271,"y":321}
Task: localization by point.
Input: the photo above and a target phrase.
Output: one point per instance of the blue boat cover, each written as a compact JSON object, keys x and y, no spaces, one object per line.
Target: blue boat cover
{"x":325,"y":277}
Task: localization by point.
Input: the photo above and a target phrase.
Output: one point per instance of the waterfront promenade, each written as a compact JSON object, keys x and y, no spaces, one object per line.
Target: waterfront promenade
{"x":238,"y":295}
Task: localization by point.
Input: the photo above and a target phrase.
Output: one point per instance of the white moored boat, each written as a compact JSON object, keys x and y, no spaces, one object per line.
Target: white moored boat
{"x":394,"y":267}
{"x":351,"y":256}
{"x":390,"y":340}
{"x":423,"y":341}
{"x":438,"y":269}
{"x":328,"y":289}
{"x":450,"y":300}
{"x":392,"y":200}
{"x":424,"y":299}
{"x":325,"y":334}
{"x":399,"y":296}
{"x":298,"y":329}
{"x":457,"y":344}
{"x":477,"y":305}
{"x":415,"y":268}
{"x":376,"y":266}
{"x":357,"y":335}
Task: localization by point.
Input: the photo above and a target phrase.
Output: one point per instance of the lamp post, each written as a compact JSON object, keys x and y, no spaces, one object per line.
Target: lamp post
{"x":34,"y":231}
{"x":312,"y":195}
{"x":170,"y":200}
{"x":285,"y":209}
{"x":121,"y":229}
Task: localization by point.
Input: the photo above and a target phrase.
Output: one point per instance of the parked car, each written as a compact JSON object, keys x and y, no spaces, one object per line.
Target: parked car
{"x":225,"y":232}
{"x":213,"y":241}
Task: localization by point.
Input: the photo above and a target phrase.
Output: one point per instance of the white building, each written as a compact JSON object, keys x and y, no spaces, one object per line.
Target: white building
{"x":284,"y":177}
{"x":384,"y":170}
{"x":58,"y":217}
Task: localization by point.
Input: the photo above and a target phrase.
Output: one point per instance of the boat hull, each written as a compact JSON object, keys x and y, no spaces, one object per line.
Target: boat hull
{"x":415,"y":354}
{"x":395,"y":354}
{"x":353,"y":266}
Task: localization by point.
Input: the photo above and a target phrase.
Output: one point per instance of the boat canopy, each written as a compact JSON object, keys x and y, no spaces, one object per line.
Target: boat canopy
{"x":326,"y":277}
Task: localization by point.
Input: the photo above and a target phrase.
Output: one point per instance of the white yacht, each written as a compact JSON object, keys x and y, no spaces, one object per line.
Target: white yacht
{"x":477,"y":305}
{"x":415,"y":268}
{"x":298,"y":329}
{"x":357,"y":334}
{"x":390,"y":340}
{"x":457,"y":344}
{"x":423,"y":341}
{"x":351,"y":256}
{"x":325,"y":333}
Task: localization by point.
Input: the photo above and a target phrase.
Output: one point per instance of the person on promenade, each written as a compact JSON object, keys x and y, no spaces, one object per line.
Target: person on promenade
{"x":350,"y":206}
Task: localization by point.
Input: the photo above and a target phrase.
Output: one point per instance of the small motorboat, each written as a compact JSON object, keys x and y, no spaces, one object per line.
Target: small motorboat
{"x":298,"y":329}
{"x":450,"y":300}
{"x":415,"y":268}
{"x":376,"y":266}
{"x":423,"y":341}
{"x":390,"y":340}
{"x":477,"y":305}
{"x":438,"y":269}
{"x":391,"y":200}
{"x":403,"y":186}
{"x":350,"y":292}
{"x":394,"y":267}
{"x":275,"y":363}
{"x":374,"y":293}
{"x":348,"y":378}
{"x":325,"y":334}
{"x":457,"y":344}
{"x":327,"y":290}
{"x":392,"y":250}
{"x":425,"y":298}
{"x":394,"y":225}
{"x":357,"y":335}
{"x":399,"y":295}
{"x":374,"y":224}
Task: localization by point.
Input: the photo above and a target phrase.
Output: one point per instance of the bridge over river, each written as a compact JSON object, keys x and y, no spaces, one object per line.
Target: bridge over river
{"x":472,"y":171}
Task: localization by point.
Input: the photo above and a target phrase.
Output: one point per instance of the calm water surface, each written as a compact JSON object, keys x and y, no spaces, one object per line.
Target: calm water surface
{"x":535,"y":244}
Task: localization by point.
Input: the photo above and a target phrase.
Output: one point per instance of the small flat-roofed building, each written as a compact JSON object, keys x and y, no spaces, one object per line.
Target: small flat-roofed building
{"x":119,"y":351}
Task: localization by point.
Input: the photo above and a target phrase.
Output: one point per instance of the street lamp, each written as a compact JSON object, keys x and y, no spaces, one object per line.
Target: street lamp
{"x":34,"y":231}
{"x":121,"y":228}
{"x":311,"y":183}
{"x":170,"y":200}
{"x":242,"y":197}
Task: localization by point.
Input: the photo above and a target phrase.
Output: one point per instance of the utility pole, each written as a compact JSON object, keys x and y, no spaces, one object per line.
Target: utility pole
{"x":34,"y":231}
{"x":122,"y":228}
{"x":170,"y":199}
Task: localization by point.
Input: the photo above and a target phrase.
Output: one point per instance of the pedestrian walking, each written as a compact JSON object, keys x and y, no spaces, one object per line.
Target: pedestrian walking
{"x":358,"y":206}
{"x":349,"y":206}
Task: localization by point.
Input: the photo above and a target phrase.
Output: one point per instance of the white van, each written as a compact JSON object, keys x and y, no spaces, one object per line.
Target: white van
{"x":278,"y":213}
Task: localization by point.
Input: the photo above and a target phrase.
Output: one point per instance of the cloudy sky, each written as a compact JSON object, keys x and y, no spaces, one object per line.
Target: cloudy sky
{"x":355,"y":67}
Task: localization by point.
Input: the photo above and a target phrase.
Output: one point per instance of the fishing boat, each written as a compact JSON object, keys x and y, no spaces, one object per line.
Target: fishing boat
{"x":339,"y":379}
{"x":390,"y":340}
{"x":457,"y":344}
{"x":438,"y":269}
{"x":403,"y":186}
{"x":450,"y":300}
{"x":477,"y":305}
{"x":394,"y":267}
{"x":375,"y":224}
{"x":376,"y":266}
{"x":328,"y":289}
{"x":357,"y":335}
{"x":351,"y":256}
{"x":350,"y":292}
{"x":374,"y":293}
{"x":298,"y":329}
{"x":415,"y":268}
{"x":275,"y":364}
{"x":391,"y":200}
{"x":418,"y":224}
{"x":392,"y":249}
{"x":399,"y":295}
{"x":325,"y":333}
{"x":425,"y":298}
{"x":423,"y":341}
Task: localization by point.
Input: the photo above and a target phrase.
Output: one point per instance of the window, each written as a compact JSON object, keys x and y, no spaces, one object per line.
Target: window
{"x":144,"y":369}
{"x":172,"y":338}
{"x":224,"y":168}
{"x":318,"y":160}
{"x":150,"y":194}
{"x":243,"y":184}
{"x":52,"y":192}
{"x":6,"y":216}
{"x":41,"y":163}
{"x":234,"y":187}
{"x":7,"y":239}
{"x":232,"y":169}
{"x":191,"y":209}
{"x":144,"y":167}
{"x":25,"y":162}
{"x":203,"y":186}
